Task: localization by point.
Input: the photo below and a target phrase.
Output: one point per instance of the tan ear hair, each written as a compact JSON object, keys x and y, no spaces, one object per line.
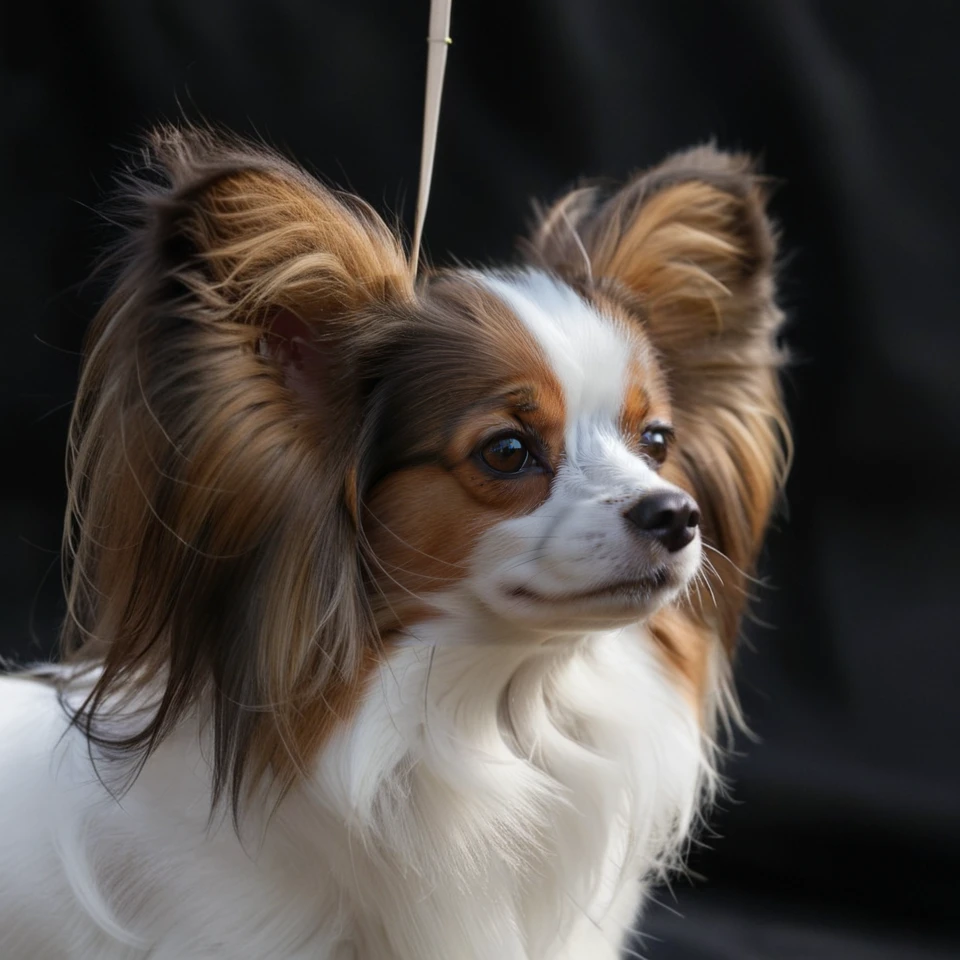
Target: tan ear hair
{"x":690,"y":251}
{"x":211,"y":548}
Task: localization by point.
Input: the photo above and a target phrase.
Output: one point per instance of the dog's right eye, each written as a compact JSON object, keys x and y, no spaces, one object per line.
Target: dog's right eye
{"x":655,"y":441}
{"x":507,"y":454}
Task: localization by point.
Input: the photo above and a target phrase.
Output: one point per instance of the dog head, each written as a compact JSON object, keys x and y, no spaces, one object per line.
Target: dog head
{"x":285,"y":450}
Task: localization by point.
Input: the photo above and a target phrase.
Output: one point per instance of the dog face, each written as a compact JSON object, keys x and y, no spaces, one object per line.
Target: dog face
{"x":525,"y":471}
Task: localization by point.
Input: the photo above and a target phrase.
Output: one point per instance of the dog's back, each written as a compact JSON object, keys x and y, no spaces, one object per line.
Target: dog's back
{"x":40,"y":759}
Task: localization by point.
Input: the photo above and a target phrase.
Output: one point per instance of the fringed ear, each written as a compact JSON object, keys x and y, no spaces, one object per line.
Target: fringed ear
{"x":211,"y":526}
{"x":690,"y":250}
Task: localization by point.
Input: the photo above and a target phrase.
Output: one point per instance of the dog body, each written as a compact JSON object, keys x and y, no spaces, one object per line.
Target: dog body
{"x":397,"y":633}
{"x":492,"y":855}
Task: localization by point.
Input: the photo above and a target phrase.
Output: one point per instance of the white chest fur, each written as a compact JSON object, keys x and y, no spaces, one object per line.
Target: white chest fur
{"x":510,"y":800}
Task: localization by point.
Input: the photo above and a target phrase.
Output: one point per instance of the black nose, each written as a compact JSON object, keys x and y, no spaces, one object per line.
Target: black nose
{"x":669,"y":515}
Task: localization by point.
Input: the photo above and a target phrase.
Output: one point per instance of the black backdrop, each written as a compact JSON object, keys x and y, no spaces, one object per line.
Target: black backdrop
{"x":842,"y":838}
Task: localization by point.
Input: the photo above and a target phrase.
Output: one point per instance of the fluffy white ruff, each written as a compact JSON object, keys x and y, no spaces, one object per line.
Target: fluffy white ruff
{"x":506,"y":801}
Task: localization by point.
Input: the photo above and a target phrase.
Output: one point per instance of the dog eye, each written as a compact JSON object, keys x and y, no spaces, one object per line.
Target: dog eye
{"x":655,"y":441}
{"x":507,"y":454}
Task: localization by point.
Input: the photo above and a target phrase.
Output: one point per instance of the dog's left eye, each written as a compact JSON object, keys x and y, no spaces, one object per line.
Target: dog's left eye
{"x":655,"y":441}
{"x":507,"y":454}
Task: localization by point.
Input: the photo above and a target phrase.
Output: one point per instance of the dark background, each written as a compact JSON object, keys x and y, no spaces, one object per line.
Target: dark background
{"x":842,"y":836}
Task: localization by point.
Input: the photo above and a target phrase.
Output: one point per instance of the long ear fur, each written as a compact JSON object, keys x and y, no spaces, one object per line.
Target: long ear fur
{"x":689,"y":248}
{"x":213,"y":557}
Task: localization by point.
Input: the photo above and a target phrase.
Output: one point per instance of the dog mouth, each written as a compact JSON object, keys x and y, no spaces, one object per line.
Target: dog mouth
{"x":637,"y":589}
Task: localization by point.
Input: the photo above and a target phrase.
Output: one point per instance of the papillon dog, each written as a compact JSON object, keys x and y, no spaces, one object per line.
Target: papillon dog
{"x":400,"y":610}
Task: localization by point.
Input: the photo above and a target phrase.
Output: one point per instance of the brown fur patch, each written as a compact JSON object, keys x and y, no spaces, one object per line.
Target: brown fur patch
{"x":468,"y":372}
{"x":646,"y":396}
{"x":685,"y":643}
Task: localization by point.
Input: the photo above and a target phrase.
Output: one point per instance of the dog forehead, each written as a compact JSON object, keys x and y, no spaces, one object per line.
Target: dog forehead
{"x":589,"y":353}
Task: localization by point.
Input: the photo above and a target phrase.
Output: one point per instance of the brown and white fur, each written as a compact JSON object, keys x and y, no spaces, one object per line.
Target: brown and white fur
{"x":391,"y":637}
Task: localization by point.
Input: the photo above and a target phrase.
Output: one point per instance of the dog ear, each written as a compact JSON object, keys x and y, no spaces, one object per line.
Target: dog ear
{"x":690,"y":250}
{"x":211,"y":526}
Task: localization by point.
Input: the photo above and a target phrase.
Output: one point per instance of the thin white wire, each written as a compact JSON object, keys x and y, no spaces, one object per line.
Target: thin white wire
{"x":438,"y":40}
